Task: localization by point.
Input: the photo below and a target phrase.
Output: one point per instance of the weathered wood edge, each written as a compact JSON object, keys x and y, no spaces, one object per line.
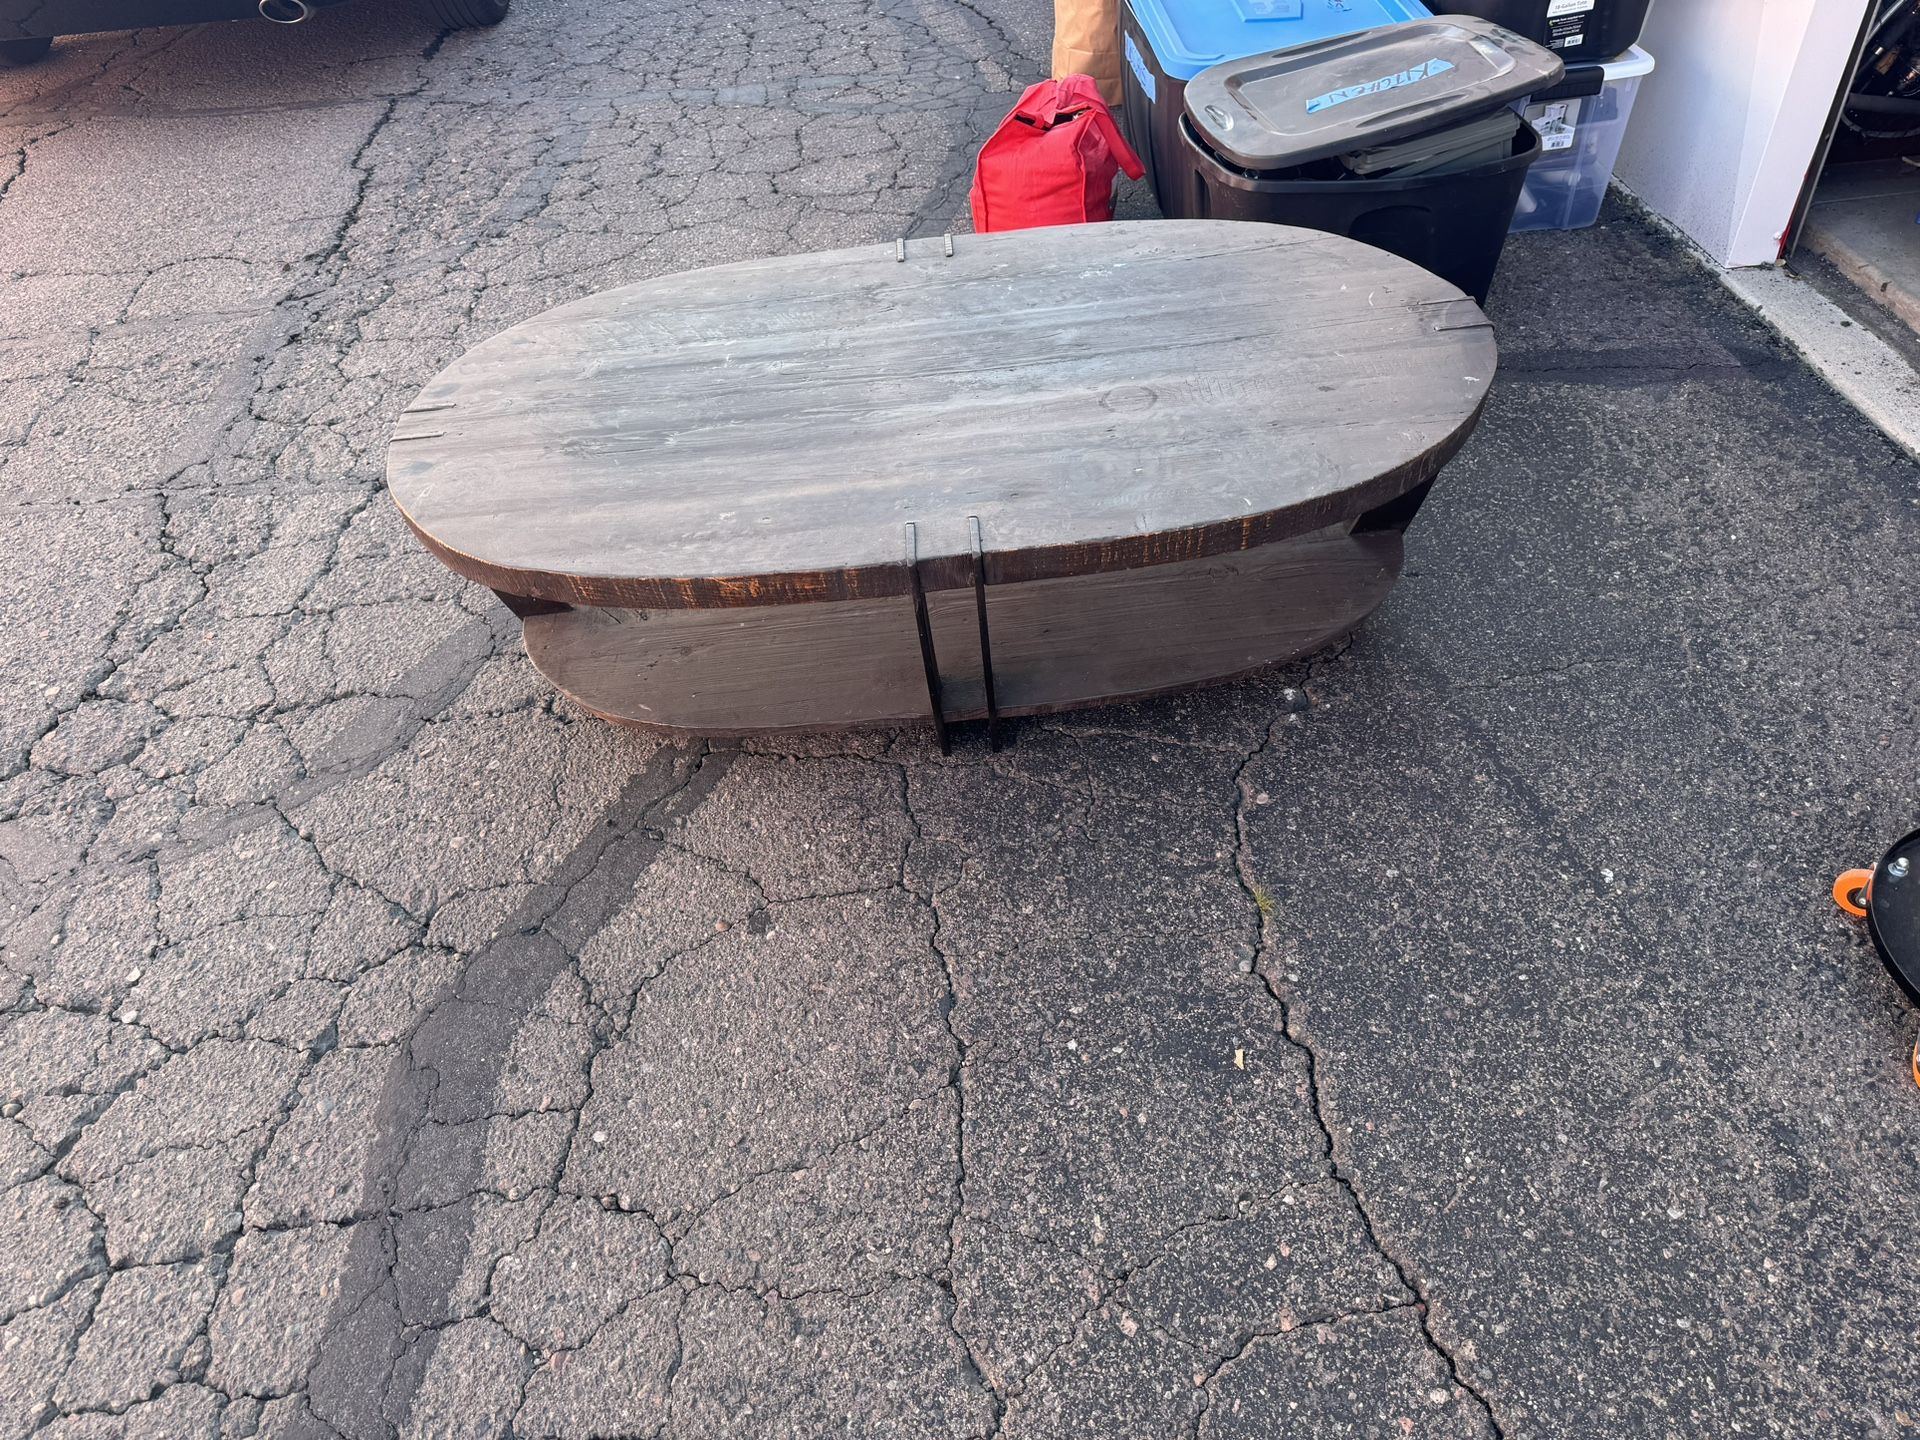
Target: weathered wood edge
{"x":955,"y":570}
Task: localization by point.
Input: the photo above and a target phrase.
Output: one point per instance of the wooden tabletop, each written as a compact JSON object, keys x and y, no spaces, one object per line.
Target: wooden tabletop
{"x":1099,"y":396}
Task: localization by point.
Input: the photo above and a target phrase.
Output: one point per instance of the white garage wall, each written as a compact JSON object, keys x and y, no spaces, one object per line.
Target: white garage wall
{"x":1724,"y":129}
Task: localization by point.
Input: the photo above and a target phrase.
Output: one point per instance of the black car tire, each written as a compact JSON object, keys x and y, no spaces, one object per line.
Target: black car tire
{"x":25,"y":52}
{"x":469,"y":14}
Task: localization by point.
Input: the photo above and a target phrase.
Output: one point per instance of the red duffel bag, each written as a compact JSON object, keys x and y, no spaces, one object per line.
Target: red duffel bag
{"x":1053,"y":160}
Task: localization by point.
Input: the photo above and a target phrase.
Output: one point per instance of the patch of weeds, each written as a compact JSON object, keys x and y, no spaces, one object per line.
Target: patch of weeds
{"x":1263,"y":900}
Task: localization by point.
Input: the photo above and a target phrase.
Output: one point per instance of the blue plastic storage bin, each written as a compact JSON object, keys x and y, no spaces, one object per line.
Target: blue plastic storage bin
{"x":1168,"y":42}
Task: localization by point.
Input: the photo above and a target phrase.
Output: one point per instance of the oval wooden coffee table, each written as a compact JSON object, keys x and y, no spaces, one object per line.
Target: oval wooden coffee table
{"x":970,"y":476}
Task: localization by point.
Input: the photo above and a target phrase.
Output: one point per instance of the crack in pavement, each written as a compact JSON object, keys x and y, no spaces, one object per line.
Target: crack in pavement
{"x":1339,"y":1158}
{"x":957,"y":1082}
{"x":448,"y":1067}
{"x":321,"y":965}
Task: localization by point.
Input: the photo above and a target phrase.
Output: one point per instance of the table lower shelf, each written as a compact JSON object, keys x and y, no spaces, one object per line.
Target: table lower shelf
{"x":1057,"y":644}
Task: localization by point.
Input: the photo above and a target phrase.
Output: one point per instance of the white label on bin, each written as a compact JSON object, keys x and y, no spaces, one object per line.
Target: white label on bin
{"x":1555,"y":127}
{"x":1567,"y":7}
{"x":1140,"y":70}
{"x":1412,"y":75}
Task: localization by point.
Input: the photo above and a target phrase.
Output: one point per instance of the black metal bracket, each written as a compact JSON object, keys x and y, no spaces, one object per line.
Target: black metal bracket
{"x":1397,"y":513}
{"x":1893,"y":911}
{"x":927,"y":661}
{"x":986,"y":645}
{"x":526,"y":605}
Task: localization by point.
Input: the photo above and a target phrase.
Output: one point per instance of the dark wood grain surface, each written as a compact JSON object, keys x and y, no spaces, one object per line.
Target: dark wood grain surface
{"x":1101,"y":397}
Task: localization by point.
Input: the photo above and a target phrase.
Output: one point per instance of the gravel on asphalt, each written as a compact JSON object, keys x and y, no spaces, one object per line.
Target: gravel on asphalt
{"x":1448,"y":1035}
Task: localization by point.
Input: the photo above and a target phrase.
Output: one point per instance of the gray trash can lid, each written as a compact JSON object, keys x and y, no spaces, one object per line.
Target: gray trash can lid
{"x":1285,"y":108}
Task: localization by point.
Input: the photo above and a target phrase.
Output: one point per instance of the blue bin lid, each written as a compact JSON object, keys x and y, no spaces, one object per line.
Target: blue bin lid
{"x":1187,"y":36}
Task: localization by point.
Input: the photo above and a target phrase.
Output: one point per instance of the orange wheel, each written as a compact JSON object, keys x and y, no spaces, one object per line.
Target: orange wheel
{"x":1852,"y":884}
{"x":1916,"y":1062}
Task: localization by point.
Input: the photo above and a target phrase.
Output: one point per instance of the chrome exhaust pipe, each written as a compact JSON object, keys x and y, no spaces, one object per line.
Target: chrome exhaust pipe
{"x":285,"y":12}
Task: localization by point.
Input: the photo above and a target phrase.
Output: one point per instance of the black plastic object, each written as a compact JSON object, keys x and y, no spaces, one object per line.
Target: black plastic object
{"x":1453,"y":224}
{"x":1582,"y":80}
{"x":1593,"y":30}
{"x":25,"y":19}
{"x":470,"y":14}
{"x":1449,"y":150}
{"x":1151,"y":105}
{"x":1358,"y":92}
{"x":1893,"y":912}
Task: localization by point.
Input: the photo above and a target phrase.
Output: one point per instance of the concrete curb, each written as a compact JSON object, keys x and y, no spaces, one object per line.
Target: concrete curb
{"x":1859,"y":364}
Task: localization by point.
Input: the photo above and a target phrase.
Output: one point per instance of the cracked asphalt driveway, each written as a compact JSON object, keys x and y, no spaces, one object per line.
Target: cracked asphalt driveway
{"x":1447,"y":1036}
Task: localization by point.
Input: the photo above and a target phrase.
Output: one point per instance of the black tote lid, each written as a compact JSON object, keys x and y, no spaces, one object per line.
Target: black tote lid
{"x":1285,"y":108}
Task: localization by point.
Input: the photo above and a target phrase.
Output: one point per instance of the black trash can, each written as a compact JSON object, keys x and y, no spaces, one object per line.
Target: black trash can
{"x":1402,"y":138}
{"x":1454,"y":225}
